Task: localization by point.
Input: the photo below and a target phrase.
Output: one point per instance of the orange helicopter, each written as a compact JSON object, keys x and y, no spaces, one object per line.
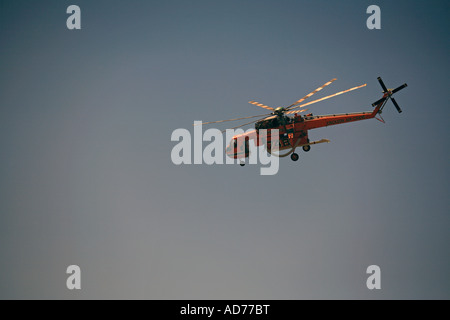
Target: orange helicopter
{"x":293,"y":130}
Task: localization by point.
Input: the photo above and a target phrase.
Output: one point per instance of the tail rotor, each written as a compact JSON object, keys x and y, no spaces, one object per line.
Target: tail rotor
{"x":388,"y":95}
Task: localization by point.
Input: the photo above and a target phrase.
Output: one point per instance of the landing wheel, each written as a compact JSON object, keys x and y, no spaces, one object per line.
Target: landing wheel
{"x":306,"y":148}
{"x":294,"y":157}
{"x":242,"y":164}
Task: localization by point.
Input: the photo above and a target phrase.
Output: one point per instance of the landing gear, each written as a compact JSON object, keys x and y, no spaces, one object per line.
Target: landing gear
{"x":242,"y":164}
{"x":306,"y":148}
{"x":294,"y":157}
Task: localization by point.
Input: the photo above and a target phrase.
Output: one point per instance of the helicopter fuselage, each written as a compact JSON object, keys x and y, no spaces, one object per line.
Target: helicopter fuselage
{"x":293,"y":131}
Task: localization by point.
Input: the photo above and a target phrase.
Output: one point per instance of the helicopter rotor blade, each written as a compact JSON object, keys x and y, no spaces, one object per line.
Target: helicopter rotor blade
{"x":399,"y":88}
{"x":261,"y":105}
{"x":396,"y":105}
{"x":242,"y":125}
{"x":330,"y":96}
{"x":260,"y":115}
{"x":310,"y":94}
{"x":378,"y":102}
{"x":382,"y":84}
{"x":296,"y":111}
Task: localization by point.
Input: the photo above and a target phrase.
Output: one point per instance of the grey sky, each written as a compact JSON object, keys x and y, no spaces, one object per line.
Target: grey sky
{"x":86,"y":177}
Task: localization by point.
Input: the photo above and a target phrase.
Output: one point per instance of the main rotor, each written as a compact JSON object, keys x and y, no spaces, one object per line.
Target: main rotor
{"x":294,"y":108}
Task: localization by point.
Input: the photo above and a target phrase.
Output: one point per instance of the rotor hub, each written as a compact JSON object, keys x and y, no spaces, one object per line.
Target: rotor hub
{"x":279,"y":111}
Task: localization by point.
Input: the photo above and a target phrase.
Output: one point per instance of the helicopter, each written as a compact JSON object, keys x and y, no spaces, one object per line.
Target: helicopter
{"x":293,"y":127}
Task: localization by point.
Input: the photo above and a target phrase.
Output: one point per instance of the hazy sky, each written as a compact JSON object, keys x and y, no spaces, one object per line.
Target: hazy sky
{"x":86,"y":176}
